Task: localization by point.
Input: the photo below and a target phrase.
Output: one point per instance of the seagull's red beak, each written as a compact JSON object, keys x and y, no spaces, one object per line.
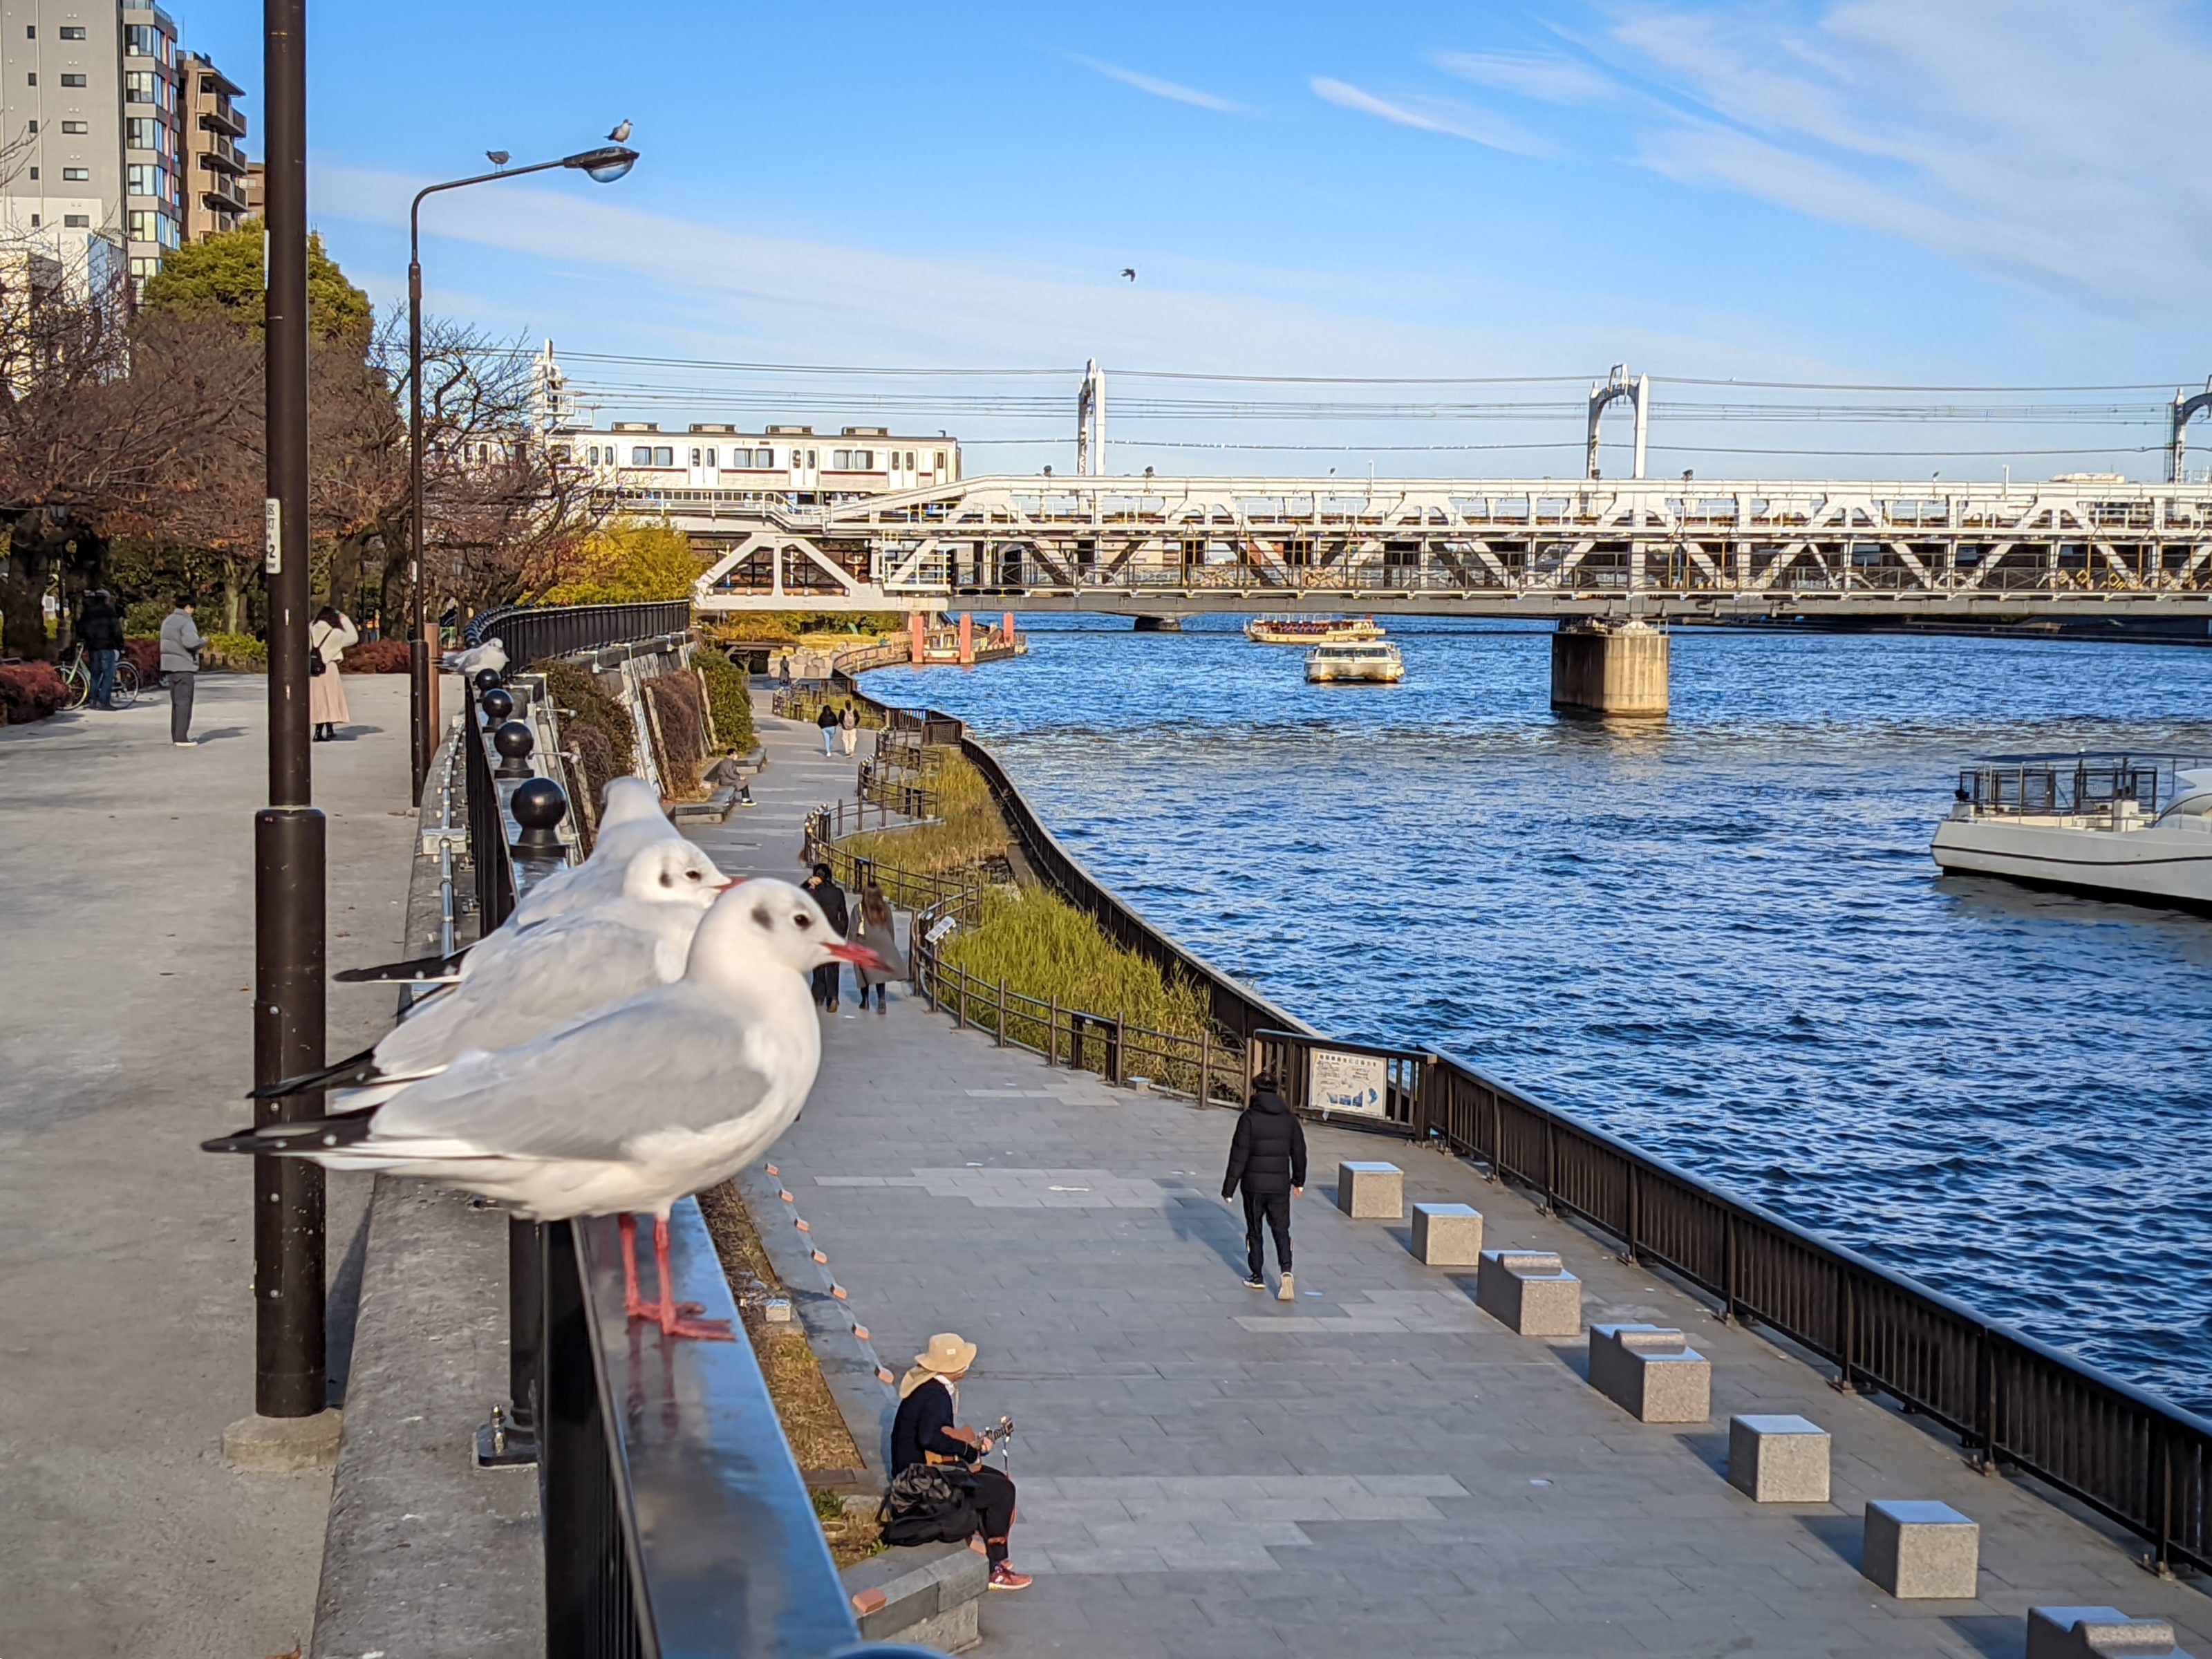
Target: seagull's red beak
{"x":734,"y":881}
{"x":860,"y":956}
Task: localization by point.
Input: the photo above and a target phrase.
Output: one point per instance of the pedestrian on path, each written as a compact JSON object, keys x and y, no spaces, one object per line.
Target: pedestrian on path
{"x":875,"y":929}
{"x":924,"y":1436}
{"x":180,"y":668}
{"x":1267,"y":1158}
{"x":831,"y":898}
{"x":328,"y":636}
{"x":827,"y":720}
{"x":849,"y":728}
{"x":100,"y":631}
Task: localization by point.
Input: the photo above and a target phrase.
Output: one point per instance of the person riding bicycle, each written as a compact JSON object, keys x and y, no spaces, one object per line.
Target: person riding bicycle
{"x":926,"y":1441}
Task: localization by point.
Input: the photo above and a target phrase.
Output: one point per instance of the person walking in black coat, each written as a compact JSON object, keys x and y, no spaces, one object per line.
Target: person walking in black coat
{"x":831,"y":898}
{"x":1267,"y":1158}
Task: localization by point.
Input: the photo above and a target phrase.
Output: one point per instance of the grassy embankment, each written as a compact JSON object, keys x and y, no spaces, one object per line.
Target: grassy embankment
{"x":1040,"y":944}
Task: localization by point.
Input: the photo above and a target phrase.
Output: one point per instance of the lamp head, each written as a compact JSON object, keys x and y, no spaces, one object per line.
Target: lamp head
{"x":604,"y":165}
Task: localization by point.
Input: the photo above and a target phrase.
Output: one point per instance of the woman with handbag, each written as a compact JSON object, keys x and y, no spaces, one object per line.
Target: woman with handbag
{"x":328,"y":636}
{"x":940,"y":1489}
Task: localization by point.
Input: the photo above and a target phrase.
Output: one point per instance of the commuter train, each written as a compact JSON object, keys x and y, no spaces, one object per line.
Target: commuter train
{"x":713,"y":463}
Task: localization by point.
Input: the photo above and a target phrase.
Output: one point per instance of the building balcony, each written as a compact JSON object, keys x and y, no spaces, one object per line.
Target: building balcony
{"x":215,"y":201}
{"x":224,"y":160}
{"x":223,"y":120}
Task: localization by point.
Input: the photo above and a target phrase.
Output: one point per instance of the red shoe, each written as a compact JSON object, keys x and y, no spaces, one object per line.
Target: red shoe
{"x":1003,"y":1576}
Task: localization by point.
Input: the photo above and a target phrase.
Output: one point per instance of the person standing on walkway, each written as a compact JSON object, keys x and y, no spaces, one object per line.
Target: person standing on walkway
{"x":831,"y":898}
{"x":924,"y":1436}
{"x":180,"y":668}
{"x":876,"y":929}
{"x":827,"y":720}
{"x":100,"y":631}
{"x":1267,"y":1158}
{"x":849,"y":728}
{"x":328,"y":636}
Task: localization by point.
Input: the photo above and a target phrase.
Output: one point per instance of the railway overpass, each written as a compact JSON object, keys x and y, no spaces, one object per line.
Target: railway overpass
{"x":1604,"y":554}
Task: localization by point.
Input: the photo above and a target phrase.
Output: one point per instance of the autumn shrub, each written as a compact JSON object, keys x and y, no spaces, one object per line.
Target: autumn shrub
{"x":729,"y":700}
{"x":29,"y":691}
{"x":240,"y":652}
{"x":594,"y":723}
{"x":376,"y":657}
{"x":679,"y":727}
{"x":145,"y":656}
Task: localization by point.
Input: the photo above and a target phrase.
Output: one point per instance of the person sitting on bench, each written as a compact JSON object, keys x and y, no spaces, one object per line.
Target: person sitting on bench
{"x":924,"y":1433}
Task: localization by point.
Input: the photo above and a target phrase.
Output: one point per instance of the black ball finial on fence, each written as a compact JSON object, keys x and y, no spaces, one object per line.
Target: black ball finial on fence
{"x":538,"y":806}
{"x":497,"y":703}
{"x":488,"y":677}
{"x":515,"y":743}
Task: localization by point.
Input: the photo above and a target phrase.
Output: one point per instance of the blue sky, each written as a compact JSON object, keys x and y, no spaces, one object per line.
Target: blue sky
{"x":1962,"y":193}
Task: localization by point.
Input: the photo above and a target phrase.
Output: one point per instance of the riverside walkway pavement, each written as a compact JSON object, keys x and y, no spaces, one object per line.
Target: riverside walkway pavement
{"x":126,"y":1314}
{"x":1377,"y":1468}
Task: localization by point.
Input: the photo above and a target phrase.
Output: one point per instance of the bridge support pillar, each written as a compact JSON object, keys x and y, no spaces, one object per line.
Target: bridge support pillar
{"x":1602,"y":668}
{"x":1159,"y":624}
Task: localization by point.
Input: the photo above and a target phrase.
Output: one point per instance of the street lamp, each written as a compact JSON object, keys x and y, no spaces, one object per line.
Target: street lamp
{"x":601,"y":165}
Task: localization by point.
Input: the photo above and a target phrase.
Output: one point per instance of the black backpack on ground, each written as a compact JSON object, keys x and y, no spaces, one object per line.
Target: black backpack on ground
{"x":929,"y":1504}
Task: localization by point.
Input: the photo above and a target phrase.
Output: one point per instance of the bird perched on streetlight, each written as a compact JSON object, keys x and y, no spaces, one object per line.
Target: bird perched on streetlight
{"x":621,"y":133}
{"x":1129,"y":271}
{"x":496,"y":157}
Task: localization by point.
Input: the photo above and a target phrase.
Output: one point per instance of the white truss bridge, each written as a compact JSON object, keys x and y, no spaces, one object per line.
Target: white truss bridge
{"x":1166,"y":547}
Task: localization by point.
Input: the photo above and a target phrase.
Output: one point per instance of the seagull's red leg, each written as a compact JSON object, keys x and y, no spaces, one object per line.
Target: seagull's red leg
{"x":633,"y":1304}
{"x":672,"y":1313}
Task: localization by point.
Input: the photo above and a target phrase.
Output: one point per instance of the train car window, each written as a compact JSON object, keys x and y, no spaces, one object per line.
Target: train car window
{"x":910,"y":460}
{"x":663,"y":456}
{"x":695,"y":457}
{"x":641,"y":456}
{"x":711,"y":464}
{"x":560,"y":452}
{"x":809,"y":457}
{"x":940,"y":460}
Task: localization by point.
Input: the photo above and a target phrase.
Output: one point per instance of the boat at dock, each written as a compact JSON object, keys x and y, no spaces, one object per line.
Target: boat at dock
{"x":2122,"y":826}
{"x":1312,"y":631}
{"x":1374,"y":663}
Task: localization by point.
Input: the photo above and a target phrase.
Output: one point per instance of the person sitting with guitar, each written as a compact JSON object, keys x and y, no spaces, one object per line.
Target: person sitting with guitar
{"x":925,"y":1436}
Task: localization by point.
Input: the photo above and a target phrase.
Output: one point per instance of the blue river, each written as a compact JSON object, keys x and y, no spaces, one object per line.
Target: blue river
{"x":1719,"y":936}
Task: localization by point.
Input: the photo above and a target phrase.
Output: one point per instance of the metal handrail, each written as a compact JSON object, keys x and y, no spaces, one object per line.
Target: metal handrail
{"x":529,"y":632}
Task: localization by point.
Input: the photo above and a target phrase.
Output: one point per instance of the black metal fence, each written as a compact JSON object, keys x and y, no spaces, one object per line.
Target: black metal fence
{"x":530,"y":632}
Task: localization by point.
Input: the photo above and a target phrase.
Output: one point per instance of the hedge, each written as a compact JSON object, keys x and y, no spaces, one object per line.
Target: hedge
{"x":29,"y":691}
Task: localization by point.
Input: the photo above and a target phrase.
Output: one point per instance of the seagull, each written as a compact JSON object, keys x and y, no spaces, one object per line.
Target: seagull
{"x":631,"y":820}
{"x":621,"y":133}
{"x":624,"y":1109}
{"x":574,"y":962}
{"x":490,"y":654}
{"x":1129,"y":271}
{"x":496,"y":157}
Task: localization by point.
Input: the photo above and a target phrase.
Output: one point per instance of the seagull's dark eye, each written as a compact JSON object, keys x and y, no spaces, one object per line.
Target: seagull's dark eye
{"x":690,"y":875}
{"x":800,"y":918}
{"x":761,"y":917}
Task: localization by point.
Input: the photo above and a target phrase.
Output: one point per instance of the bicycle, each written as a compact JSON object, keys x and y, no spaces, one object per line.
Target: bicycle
{"x":76,"y":669}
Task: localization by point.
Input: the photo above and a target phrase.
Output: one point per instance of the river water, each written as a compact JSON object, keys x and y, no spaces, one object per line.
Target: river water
{"x":1719,"y":936}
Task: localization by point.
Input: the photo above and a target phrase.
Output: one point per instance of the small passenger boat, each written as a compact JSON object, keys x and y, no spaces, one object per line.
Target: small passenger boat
{"x":2121,"y":826}
{"x":1312,"y":631}
{"x":1372,"y":664}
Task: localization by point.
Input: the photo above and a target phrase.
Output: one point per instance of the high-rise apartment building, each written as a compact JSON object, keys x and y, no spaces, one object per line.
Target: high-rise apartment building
{"x":108,"y":136}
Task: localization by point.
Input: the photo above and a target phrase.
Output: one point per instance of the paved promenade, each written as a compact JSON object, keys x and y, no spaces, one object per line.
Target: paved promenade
{"x":126,"y":1318}
{"x":1378,"y":1468}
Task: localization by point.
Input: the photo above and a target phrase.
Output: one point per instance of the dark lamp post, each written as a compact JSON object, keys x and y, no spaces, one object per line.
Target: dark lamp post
{"x":601,"y":165}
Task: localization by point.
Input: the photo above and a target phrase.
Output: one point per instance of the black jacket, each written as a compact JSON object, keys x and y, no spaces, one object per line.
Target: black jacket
{"x":1268,"y":1151}
{"x":923,"y":1418}
{"x":831,"y":897}
{"x":827,"y":717}
{"x":101,"y":628}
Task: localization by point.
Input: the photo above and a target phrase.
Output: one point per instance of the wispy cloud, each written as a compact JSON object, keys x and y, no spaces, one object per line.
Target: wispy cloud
{"x":1155,"y":87}
{"x":1445,"y":116}
{"x":1550,"y":77}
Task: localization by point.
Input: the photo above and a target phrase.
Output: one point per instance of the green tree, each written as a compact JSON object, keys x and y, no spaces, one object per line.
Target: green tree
{"x":628,"y":559}
{"x":222,"y":277}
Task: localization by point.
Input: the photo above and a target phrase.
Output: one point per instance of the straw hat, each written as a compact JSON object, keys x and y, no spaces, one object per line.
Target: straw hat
{"x":947,"y":1354}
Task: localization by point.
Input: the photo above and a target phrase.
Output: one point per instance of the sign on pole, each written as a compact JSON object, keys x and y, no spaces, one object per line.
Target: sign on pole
{"x":1338,"y":1081}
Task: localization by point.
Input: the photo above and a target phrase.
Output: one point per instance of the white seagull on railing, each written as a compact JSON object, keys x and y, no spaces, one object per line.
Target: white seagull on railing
{"x":629,"y":821}
{"x":490,"y":654}
{"x":523,"y":983}
{"x":625,"y":1110}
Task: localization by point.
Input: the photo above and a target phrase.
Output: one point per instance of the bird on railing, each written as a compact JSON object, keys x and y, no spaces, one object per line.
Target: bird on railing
{"x":624,"y":1110}
{"x":517,"y":984}
{"x":478,"y":658}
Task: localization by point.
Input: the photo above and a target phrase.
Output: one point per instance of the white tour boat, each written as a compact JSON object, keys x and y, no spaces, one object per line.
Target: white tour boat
{"x":2130,"y":827}
{"x":1376,"y":663}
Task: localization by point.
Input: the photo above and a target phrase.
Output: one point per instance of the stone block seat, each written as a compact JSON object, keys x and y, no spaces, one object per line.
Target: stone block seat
{"x":2098,"y":1633}
{"x":1447,"y":1235}
{"x":1651,"y":1372}
{"x":1529,"y":1292}
{"x":1778,"y":1460}
{"x":1920,"y":1550}
{"x":930,"y":1595}
{"x":1370,"y":1191}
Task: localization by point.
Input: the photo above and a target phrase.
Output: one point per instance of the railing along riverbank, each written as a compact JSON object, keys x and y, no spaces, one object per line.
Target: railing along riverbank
{"x":675,"y":1520}
{"x":2014,"y":1402}
{"x":528,"y":633}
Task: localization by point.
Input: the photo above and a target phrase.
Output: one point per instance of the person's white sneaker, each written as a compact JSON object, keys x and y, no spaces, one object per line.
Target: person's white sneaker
{"x":1288,"y":1292}
{"x":182,"y":743}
